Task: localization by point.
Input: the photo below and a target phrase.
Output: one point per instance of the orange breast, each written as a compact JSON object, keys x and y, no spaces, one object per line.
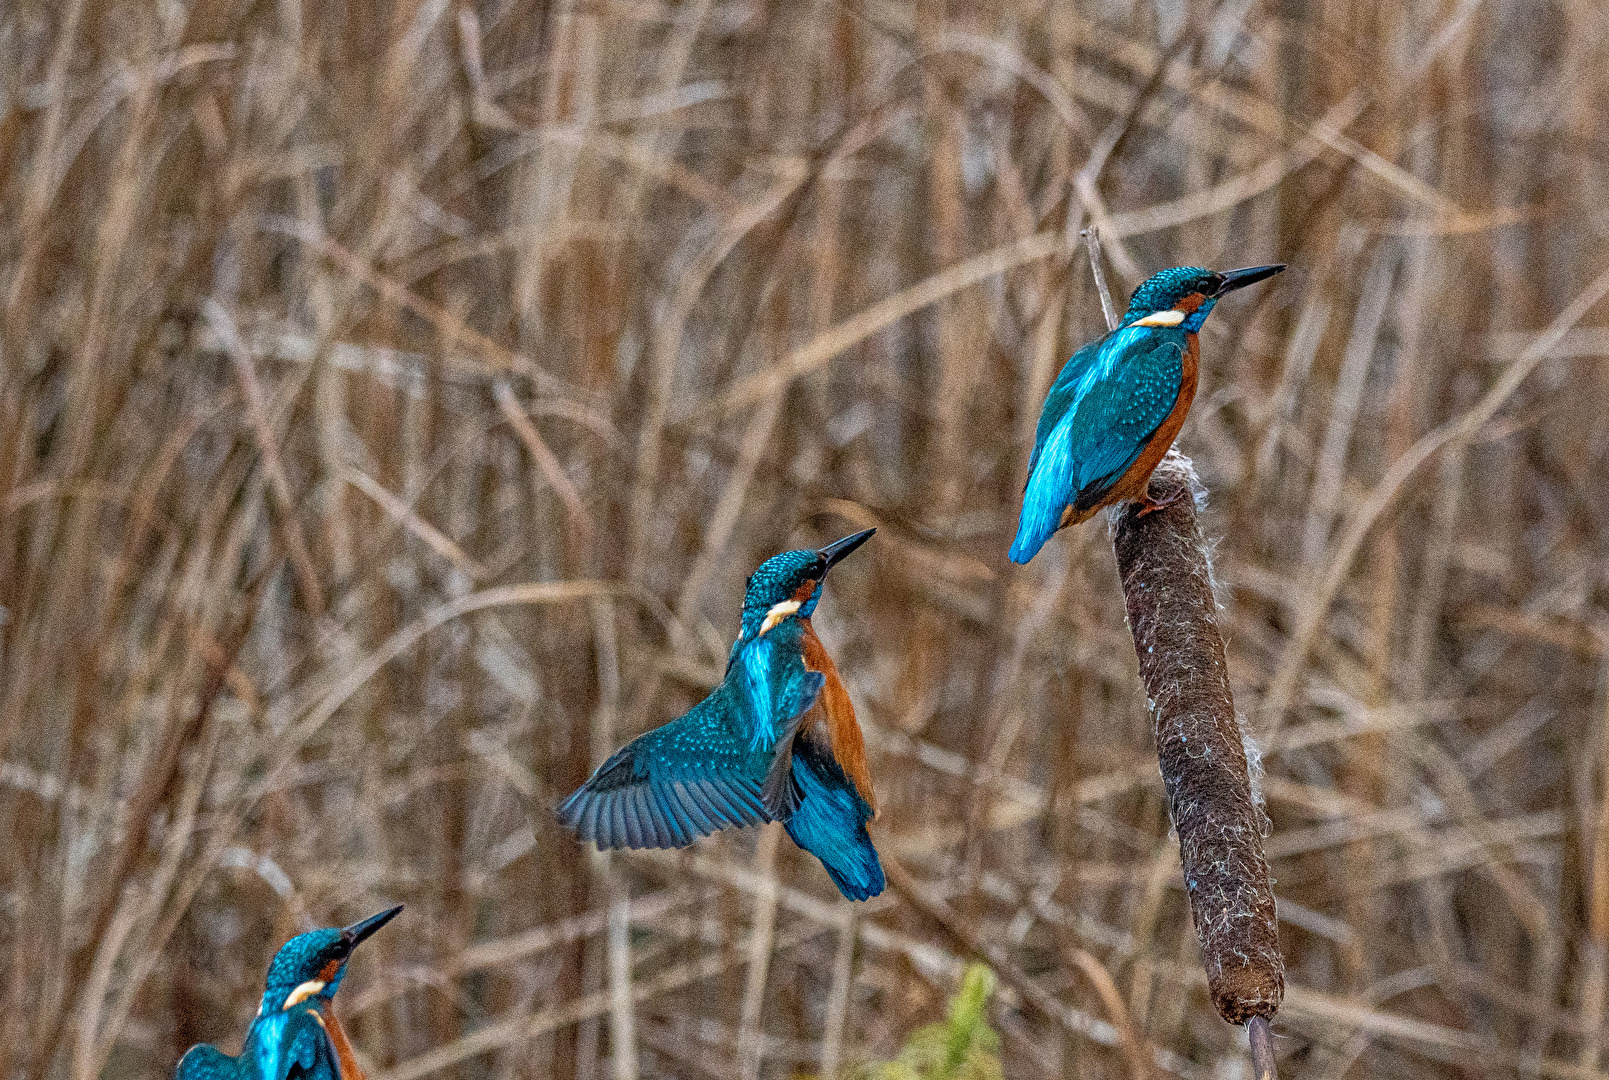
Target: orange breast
{"x":1190,"y":303}
{"x":834,"y":710}
{"x":343,"y":1049}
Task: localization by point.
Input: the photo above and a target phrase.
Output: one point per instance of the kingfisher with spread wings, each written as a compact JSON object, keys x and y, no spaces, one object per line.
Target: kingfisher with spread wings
{"x":777,"y":740}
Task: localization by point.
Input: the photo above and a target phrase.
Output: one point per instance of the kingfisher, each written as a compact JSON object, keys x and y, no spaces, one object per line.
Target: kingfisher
{"x":777,"y":740}
{"x":295,"y":1035}
{"x":1119,"y":402}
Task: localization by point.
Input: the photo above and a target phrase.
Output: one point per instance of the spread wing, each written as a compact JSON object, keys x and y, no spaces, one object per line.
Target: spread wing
{"x":1105,"y":412}
{"x":705,"y":770}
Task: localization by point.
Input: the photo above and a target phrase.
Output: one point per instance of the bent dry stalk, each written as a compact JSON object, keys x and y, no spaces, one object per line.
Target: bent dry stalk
{"x":1167,"y":586}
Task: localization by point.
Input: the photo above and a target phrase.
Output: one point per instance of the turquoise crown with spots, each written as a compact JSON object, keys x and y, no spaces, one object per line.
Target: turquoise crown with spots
{"x":780,"y":578}
{"x":1164,"y":291}
{"x":1159,"y":292}
{"x":306,"y":959}
{"x":776,"y":581}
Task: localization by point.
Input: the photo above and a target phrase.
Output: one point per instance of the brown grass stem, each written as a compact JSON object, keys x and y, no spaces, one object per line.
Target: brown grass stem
{"x":947,"y":919}
{"x":1316,"y":603}
{"x":1092,"y":245}
{"x":1173,"y":612}
{"x":1261,"y":1038}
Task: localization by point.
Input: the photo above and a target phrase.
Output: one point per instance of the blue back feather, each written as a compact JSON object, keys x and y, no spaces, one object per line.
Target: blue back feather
{"x":205,"y":1062}
{"x":280,"y":1045}
{"x":1099,"y":416}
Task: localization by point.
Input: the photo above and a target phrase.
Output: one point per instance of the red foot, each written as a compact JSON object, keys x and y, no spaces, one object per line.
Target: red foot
{"x":1149,"y":505}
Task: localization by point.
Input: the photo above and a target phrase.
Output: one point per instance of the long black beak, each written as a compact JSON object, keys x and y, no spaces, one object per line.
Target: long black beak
{"x":836,"y":550}
{"x":354,"y":935}
{"x":1230,"y":280}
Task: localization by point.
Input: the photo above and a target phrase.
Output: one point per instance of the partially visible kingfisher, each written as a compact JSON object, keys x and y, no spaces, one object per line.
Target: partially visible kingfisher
{"x":1119,"y":402}
{"x":295,"y":1035}
{"x":776,"y":741}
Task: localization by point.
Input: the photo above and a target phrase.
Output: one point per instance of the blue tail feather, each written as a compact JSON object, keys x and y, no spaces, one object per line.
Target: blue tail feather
{"x":830,"y":823}
{"x":1048,"y":493}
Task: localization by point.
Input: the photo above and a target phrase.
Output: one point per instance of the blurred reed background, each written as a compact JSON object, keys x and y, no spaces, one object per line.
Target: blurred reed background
{"x":395,"y":395}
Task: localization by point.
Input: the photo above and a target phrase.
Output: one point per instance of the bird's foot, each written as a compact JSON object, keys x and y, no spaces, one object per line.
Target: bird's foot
{"x":1149,"y":505}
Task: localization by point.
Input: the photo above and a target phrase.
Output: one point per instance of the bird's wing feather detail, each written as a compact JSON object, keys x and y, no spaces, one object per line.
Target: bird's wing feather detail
{"x":670,"y":786}
{"x":289,"y":1045}
{"x":1115,"y":420}
{"x":780,"y":792}
{"x":205,"y":1062}
{"x":1100,"y":418}
{"x":798,"y":697}
{"x":706,"y":770}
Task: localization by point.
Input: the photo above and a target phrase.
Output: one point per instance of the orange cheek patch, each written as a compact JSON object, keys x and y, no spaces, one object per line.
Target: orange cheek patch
{"x":1190,"y":303}
{"x":329,"y":970}
{"x":805,"y":591}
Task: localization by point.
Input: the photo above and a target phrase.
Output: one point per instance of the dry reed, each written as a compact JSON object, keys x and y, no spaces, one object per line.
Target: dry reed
{"x":393,"y":397}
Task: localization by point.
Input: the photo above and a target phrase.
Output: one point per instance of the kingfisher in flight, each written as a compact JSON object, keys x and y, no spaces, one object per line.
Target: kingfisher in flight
{"x":295,"y":1035}
{"x":777,"y":740}
{"x":1119,"y":402}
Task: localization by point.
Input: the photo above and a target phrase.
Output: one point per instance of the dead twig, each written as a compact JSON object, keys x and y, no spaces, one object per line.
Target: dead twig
{"x":1092,"y":244}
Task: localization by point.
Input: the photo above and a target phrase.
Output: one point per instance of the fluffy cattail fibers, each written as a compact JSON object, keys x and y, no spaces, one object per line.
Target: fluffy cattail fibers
{"x":1167,"y":586}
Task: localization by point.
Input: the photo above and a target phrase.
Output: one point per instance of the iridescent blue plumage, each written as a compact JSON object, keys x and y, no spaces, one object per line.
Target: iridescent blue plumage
{"x":294,"y":1035}
{"x":764,"y":746}
{"x":830,"y":823}
{"x":287,"y":1045}
{"x":1118,"y":403}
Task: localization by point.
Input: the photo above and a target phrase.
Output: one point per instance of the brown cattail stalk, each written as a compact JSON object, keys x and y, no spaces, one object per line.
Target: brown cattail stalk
{"x":1166,"y":574}
{"x":1167,"y":586}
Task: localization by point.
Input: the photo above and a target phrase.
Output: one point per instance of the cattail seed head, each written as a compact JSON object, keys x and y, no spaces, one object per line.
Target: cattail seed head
{"x":1173,"y":614}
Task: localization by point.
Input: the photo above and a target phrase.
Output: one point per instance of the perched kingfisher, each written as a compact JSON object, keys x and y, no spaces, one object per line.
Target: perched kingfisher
{"x":1119,"y":402}
{"x":776,"y":741}
{"x":295,"y":1035}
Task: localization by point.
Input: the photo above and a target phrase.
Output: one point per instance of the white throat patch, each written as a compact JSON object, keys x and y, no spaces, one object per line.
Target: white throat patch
{"x":303,"y":992}
{"x":777,"y":613}
{"x":1161,"y":318}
